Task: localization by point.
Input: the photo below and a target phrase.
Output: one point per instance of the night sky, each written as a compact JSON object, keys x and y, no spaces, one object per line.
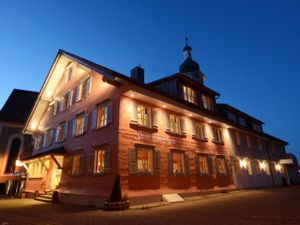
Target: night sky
{"x":248,"y":50}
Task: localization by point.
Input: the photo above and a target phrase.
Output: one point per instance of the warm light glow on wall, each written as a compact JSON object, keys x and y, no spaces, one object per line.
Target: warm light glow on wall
{"x":49,"y":94}
{"x":190,"y":115}
{"x":243,"y":163}
{"x":19,"y":163}
{"x":131,"y":95}
{"x":262,"y":165}
{"x":164,"y":106}
{"x":34,"y":125}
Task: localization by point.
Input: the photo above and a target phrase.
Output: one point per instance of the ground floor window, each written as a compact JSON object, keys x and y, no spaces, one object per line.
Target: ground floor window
{"x":221,"y":166}
{"x":178,"y":162}
{"x":76,"y":165}
{"x":101,"y":160}
{"x":144,"y":160}
{"x":203,"y":165}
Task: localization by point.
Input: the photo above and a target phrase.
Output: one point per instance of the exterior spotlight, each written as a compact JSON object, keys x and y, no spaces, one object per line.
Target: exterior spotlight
{"x":262,"y":165}
{"x":164,"y":106}
{"x":243,"y":163}
{"x":278,"y":167}
{"x":131,"y":95}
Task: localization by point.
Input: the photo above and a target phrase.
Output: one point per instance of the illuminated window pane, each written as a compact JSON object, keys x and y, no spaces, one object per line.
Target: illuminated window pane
{"x":174,"y":123}
{"x":178,"y":162}
{"x":207,"y":102}
{"x":221,"y":166}
{"x":145,"y":160}
{"x":189,"y":94}
{"x":143,"y":115}
{"x":99,"y":161}
{"x":203,"y":164}
{"x":200,"y":130}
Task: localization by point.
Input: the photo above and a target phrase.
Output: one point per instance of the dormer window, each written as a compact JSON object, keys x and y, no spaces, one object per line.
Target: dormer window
{"x":207,"y":102}
{"x":68,"y":74}
{"x":189,"y":94}
{"x":83,"y":89}
{"x":256,"y":127}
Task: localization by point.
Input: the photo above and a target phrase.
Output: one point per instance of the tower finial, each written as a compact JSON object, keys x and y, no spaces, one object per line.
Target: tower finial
{"x":186,"y":39}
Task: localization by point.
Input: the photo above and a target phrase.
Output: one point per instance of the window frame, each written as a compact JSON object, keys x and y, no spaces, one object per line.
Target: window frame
{"x":177,"y":124}
{"x":201,"y":172}
{"x":145,"y":149}
{"x":189,"y":94}
{"x":218,"y":137}
{"x":182,"y":158}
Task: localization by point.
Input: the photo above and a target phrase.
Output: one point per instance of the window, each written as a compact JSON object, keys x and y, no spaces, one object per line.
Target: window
{"x":242,"y":121}
{"x":13,"y":155}
{"x":53,"y":109}
{"x":143,"y":115}
{"x":102,"y":115}
{"x":83,"y":89}
{"x":232,"y":116}
{"x":101,"y":161}
{"x":217,"y":135}
{"x":237,"y":138}
{"x":76,"y":165}
{"x":79,"y":124}
{"x":62,"y":104}
{"x":207,"y":102}
{"x":248,"y":141}
{"x":256,"y":166}
{"x":189,"y":94}
{"x":256,"y":127}
{"x":174,"y":124}
{"x":61,"y":132}
{"x":178,"y":162}
{"x":144,"y":160}
{"x":259,"y":143}
{"x":199,"y":131}
{"x":67,"y":100}
{"x":221,"y":166}
{"x":203,"y":164}
{"x":47,"y":139}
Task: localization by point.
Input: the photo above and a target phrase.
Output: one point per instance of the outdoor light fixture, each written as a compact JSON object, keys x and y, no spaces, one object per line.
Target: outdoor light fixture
{"x":190,"y":115}
{"x":49,"y":94}
{"x":278,"y":167}
{"x":19,"y":163}
{"x":243,"y":163}
{"x":34,"y":125}
{"x":164,"y":106}
{"x":131,"y":95}
{"x":262,"y":165}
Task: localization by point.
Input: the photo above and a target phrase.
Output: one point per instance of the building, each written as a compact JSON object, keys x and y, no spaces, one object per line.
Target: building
{"x":91,"y":123}
{"x":13,"y":144}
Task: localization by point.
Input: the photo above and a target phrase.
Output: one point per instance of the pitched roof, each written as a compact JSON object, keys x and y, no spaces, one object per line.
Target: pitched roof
{"x":18,"y":106}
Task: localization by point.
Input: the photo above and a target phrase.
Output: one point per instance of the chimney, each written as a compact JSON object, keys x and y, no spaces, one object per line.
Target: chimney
{"x":137,"y":73}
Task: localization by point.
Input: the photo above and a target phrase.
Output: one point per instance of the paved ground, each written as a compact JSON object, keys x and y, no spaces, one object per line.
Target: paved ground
{"x":280,"y":206}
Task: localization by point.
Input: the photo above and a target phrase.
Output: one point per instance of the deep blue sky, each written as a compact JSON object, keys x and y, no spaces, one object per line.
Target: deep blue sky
{"x":249,"y":50}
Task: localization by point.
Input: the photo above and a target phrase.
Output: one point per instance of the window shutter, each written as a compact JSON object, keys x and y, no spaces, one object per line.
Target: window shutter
{"x":94,"y":118}
{"x":210,"y":165}
{"x":217,"y":166}
{"x":183,"y":125}
{"x":90,"y":161}
{"x":186,"y":164}
{"x":55,"y":106}
{"x":197,"y":166}
{"x":109,"y":112}
{"x":70,"y":165}
{"x":154,"y":119}
{"x":44,"y":140}
{"x":133,"y":113}
{"x":167,"y":121}
{"x":85,"y":122}
{"x":57,"y":134}
{"x":132,"y":168}
{"x":78,"y":92}
{"x":51,"y":137}
{"x":66,"y":128}
{"x":70,"y":99}
{"x":227,"y":162}
{"x":194,"y":134}
{"x":170,"y":164}
{"x":74,"y":127}
{"x":107,"y":157}
{"x":88,"y":86}
{"x":156,"y":162}
{"x":62,"y":104}
{"x":81,"y":164}
{"x":35,"y":143}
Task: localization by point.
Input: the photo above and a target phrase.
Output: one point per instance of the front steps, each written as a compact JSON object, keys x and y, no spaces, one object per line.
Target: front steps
{"x":47,"y":197}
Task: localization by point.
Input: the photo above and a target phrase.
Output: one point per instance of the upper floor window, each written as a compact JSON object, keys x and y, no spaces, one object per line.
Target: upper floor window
{"x":53,"y":109}
{"x":248,"y":141}
{"x":199,"y":130}
{"x":79,"y":124}
{"x":143,"y":115}
{"x":102,"y":115}
{"x":256,"y":127}
{"x":61,"y":132}
{"x":144,"y":160}
{"x":174,"y":124}
{"x":237,"y":138}
{"x":259,"y":144}
{"x":66,"y":101}
{"x":232,"y":116}
{"x":47,"y":138}
{"x":207,"y":102}
{"x":83,"y":89}
{"x":189,"y":94}
{"x":217,"y":134}
{"x":242,"y":121}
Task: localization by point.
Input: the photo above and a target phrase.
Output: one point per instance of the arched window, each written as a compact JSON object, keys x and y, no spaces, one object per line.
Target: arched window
{"x":13,"y":155}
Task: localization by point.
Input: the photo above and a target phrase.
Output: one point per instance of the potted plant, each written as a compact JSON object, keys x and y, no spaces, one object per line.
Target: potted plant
{"x":116,"y":201}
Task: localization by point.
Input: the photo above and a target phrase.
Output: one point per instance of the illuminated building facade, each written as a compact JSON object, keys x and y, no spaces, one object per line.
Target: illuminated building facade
{"x":91,"y":123}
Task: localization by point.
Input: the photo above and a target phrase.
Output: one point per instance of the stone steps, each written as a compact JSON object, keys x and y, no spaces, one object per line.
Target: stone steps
{"x":47,"y":197}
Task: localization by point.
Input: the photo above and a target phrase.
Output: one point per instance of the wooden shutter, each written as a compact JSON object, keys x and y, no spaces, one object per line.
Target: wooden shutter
{"x":66,"y":128}
{"x":88,"y":86}
{"x":197,"y":166}
{"x":167,"y":122}
{"x":78,"y":92}
{"x":133,"y":113}
{"x":81,"y":164}
{"x":90,"y":162}
{"x":109,"y":112}
{"x":57,"y":134}
{"x":183,"y":125}
{"x":85,"y":122}
{"x":69,"y":165}
{"x":154,"y":119}
{"x":55,"y":108}
{"x":217,"y":165}
{"x":74,"y":127}
{"x":51,"y":137}
{"x":107,"y":158}
{"x":156,"y":162}
{"x":132,"y":167}
{"x":70,"y":99}
{"x":94,"y":118}
{"x":170,"y":164}
{"x":186,"y":164}
{"x":210,"y":165}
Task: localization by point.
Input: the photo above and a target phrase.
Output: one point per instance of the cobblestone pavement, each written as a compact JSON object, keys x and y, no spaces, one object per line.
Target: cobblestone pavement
{"x":279,"y":206}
